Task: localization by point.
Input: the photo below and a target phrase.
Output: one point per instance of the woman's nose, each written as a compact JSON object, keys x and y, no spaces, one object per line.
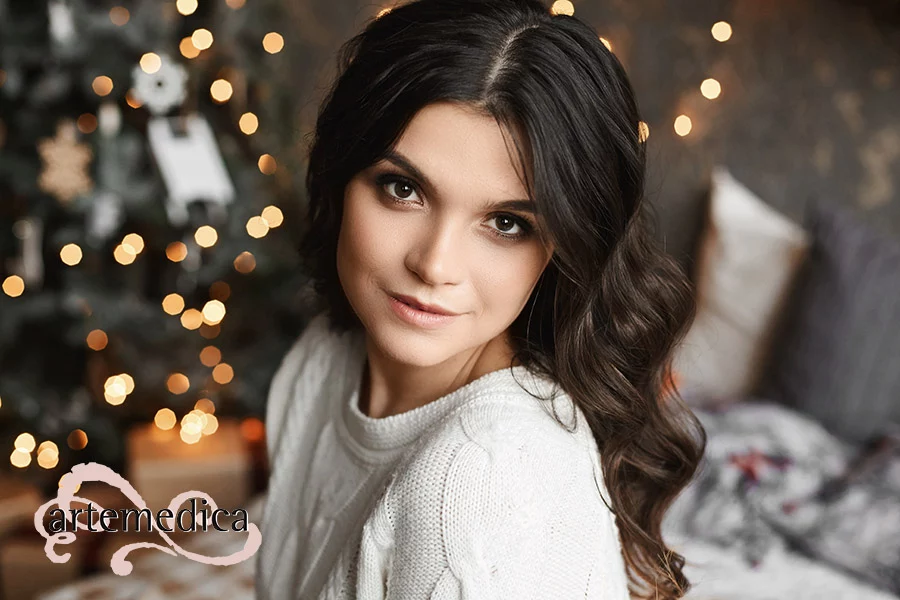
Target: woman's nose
{"x":437,"y":256}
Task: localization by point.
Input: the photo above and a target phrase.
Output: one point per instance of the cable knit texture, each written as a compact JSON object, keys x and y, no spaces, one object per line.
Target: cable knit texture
{"x":478,"y":494}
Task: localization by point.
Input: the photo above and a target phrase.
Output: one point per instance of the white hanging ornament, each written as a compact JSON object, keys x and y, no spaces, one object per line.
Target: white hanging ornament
{"x":188,"y":157}
{"x":62,"y":25}
{"x":109,"y":119}
{"x":162,"y":90}
{"x":105,"y":217}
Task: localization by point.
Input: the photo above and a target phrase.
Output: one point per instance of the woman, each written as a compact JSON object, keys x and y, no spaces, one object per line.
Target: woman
{"x":479,"y":408}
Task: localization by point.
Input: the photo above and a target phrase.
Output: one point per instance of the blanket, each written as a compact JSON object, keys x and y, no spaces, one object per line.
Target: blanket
{"x":773,"y":482}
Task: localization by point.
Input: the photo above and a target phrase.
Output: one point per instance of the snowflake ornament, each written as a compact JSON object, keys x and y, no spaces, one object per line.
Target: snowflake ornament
{"x":163,"y":90}
{"x":65,"y":173}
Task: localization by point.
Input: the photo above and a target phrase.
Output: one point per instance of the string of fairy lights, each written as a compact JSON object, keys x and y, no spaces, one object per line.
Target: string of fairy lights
{"x":201,"y":420}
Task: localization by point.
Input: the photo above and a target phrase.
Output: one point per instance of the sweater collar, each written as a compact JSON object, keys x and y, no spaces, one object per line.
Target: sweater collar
{"x":374,"y":436}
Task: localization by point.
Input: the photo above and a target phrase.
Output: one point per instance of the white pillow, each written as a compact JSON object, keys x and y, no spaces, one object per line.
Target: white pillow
{"x":748,"y":258}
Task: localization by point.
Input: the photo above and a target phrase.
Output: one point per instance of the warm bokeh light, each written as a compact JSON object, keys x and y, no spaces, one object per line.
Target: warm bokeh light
{"x":257,"y":227}
{"x":202,"y":39}
{"x":643,"y":131}
{"x":267,"y":164}
{"x":24,"y":442}
{"x":606,"y":43}
{"x":244,"y":263}
{"x":213,"y":312}
{"x":165,"y":419}
{"x":205,"y":404}
{"x":206,"y":236}
{"x":192,"y":423}
{"x":190,"y":438}
{"x":86,"y":123}
{"x":62,"y":482}
{"x":129,"y":382}
{"x":48,"y":459}
{"x":186,"y":7}
{"x":135,"y":241}
{"x":13,"y":286}
{"x":150,"y":62}
{"x":188,"y":49}
{"x":77,"y":440}
{"x":176,"y":251}
{"x":20,"y":459}
{"x":71,"y":254}
{"x":721,"y":31}
{"x":115,"y":390}
{"x":132,"y":100}
{"x":97,"y":340}
{"x":220,"y":290}
{"x":252,"y":429}
{"x":563,"y":7}
{"x":191,"y":319}
{"x":710,"y":88}
{"x":124,"y":254}
{"x":235,"y":4}
{"x":248,"y":123}
{"x":119,"y":15}
{"x":47,"y":444}
{"x":383,"y":12}
{"x":273,"y":42}
{"x":102,"y":85}
{"x":211,"y":425}
{"x":173,"y":304}
{"x":683,"y":125}
{"x":221,"y":91}
{"x":222,"y":373}
{"x":178,"y":383}
{"x":273,"y":216}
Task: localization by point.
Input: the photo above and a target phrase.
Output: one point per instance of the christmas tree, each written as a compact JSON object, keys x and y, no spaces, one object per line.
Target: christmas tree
{"x":150,"y":199}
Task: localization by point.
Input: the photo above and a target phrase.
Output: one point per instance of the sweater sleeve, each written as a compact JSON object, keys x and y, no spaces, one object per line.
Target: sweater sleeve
{"x":507,"y":514}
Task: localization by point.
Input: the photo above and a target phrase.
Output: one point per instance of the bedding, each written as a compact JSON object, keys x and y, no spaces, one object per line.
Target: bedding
{"x":775,"y":488}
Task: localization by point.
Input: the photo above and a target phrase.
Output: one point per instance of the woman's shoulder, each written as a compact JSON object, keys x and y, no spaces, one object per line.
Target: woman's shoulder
{"x":307,"y":360}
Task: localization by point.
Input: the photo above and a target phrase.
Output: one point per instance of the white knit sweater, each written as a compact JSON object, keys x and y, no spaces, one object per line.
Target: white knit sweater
{"x":479,"y":494}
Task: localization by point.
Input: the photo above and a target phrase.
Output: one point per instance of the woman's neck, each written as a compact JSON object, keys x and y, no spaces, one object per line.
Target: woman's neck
{"x":389,"y":388}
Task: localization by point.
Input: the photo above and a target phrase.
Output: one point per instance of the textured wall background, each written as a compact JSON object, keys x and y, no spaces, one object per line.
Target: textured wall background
{"x":810,"y":102}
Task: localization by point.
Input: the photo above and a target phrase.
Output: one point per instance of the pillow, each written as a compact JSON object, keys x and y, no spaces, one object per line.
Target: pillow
{"x":838,"y":358}
{"x":748,"y":258}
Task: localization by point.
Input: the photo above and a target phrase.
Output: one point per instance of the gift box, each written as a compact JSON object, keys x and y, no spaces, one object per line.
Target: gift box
{"x":162,"y":466}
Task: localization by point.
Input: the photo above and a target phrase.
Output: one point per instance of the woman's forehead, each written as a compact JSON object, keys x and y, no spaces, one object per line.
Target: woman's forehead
{"x":458,"y":149}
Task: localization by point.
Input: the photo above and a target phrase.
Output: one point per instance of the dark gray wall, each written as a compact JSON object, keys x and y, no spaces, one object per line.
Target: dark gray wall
{"x":810,"y":105}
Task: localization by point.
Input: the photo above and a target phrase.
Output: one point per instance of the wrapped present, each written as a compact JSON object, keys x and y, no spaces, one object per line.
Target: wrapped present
{"x":161,"y":466}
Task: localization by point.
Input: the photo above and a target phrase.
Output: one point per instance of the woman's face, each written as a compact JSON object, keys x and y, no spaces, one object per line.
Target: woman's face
{"x":443,"y":220}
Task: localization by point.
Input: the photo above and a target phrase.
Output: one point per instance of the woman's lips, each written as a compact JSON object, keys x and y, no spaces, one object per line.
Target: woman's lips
{"x":417,"y":317}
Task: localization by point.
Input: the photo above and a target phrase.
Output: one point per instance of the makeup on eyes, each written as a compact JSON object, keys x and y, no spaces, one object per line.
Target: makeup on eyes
{"x":387,"y":177}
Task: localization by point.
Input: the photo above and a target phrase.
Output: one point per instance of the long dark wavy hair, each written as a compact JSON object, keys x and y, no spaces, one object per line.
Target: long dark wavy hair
{"x":610,"y":307}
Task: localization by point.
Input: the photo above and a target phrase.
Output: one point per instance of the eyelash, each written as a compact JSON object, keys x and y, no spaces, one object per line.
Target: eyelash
{"x":526,"y":225}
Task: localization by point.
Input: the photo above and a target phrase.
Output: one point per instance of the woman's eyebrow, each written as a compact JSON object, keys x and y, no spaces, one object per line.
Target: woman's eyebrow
{"x":404,"y":163}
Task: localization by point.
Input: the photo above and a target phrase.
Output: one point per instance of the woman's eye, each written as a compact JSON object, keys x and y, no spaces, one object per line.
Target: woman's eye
{"x":511,"y":227}
{"x":402,"y":189}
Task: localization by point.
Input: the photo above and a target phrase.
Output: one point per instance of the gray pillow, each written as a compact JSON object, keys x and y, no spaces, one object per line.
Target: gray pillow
{"x":838,"y":356}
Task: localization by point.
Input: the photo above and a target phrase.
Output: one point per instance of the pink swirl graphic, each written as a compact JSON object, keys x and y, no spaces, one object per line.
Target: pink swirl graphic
{"x":120,"y":566}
